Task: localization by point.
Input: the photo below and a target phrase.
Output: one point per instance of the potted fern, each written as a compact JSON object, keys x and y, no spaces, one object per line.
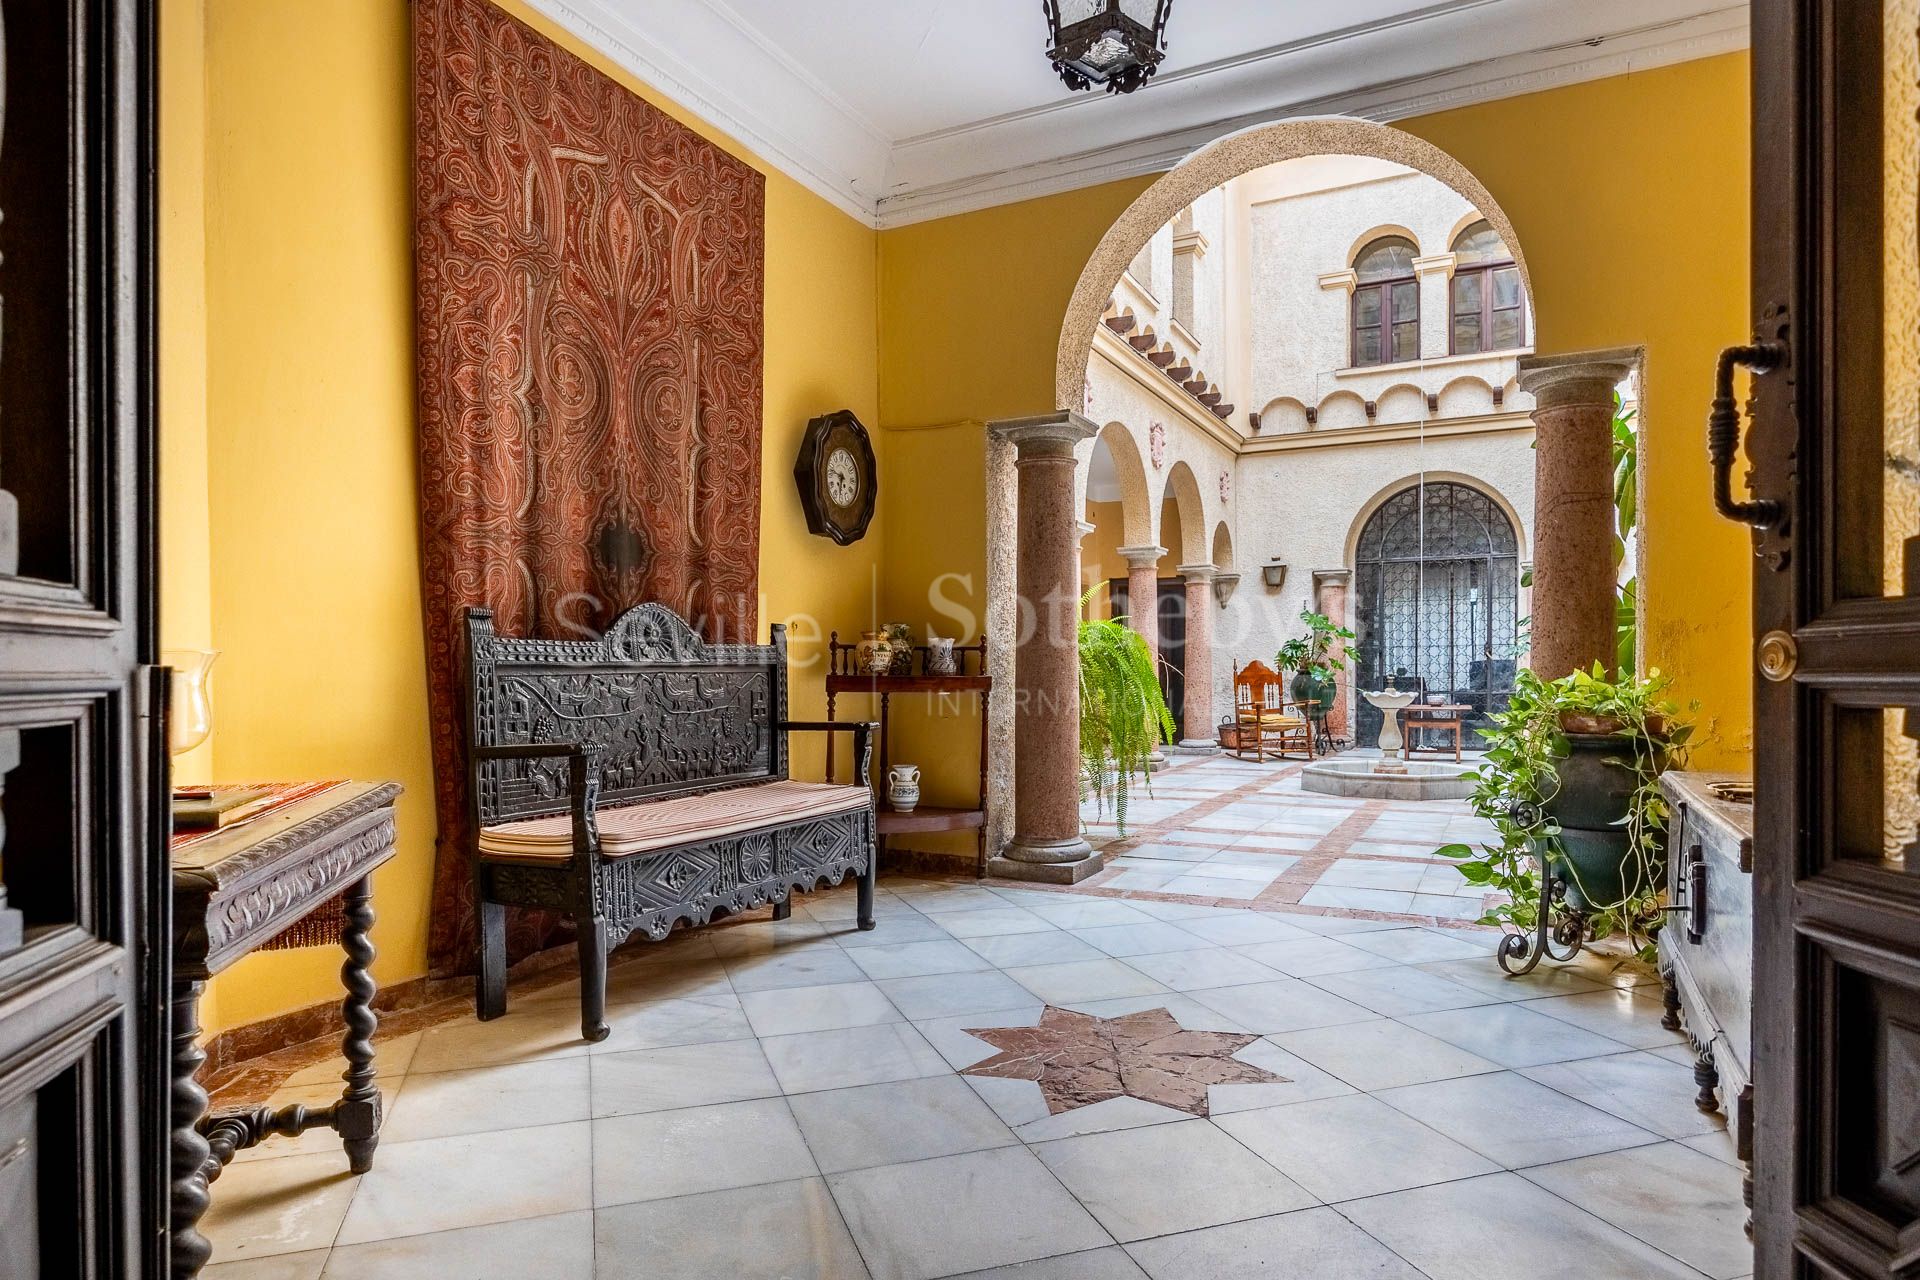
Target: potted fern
{"x":1123,"y":717}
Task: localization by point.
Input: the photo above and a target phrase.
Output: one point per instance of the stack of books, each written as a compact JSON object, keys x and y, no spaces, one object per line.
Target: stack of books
{"x":211,"y":808}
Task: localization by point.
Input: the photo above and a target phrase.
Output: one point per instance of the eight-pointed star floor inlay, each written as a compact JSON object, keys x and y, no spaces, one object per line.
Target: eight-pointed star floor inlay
{"x":1078,"y":1059}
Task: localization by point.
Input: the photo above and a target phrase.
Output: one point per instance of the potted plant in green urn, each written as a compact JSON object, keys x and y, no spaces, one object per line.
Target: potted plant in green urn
{"x":1123,"y":717}
{"x":1313,"y":658}
{"x":1571,"y":779}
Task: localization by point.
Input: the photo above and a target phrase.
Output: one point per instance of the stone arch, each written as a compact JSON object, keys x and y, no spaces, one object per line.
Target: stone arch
{"x":1137,"y":514}
{"x":1402,"y":402}
{"x":1184,"y":491}
{"x":1341,"y":409}
{"x":1229,"y":157}
{"x":1466,"y":396}
{"x":1522,"y":534}
{"x":1283,"y":415}
{"x":1384,"y":229}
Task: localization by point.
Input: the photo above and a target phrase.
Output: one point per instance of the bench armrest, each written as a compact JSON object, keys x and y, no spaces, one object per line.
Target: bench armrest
{"x":862,"y":731}
{"x":583,"y":788}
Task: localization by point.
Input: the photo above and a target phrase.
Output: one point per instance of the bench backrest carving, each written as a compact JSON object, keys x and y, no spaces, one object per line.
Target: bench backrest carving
{"x":660,"y":711}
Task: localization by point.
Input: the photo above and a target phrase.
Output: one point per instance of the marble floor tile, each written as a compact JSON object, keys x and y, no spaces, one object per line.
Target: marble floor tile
{"x":791,"y":1010}
{"x":896,"y":1122}
{"x":1011,"y":951}
{"x":1088,"y":913}
{"x":289,"y":1205}
{"x":953,"y":898}
{"x":1346,"y":1147}
{"x":1383,"y":1054}
{"x":1205,"y":886}
{"x":1629,"y":1015}
{"x":1398,"y":991}
{"x":392,"y":1056}
{"x":915,"y":959}
{"x":1240,"y":928}
{"x":851,"y":1056}
{"x":1297,"y":1081}
{"x":660,"y":1154}
{"x":941,"y":995}
{"x":1003,"y":919}
{"x":1094,"y":1264}
{"x":1513,"y":1035}
{"x":690,"y":1075}
{"x":904,"y":926}
{"x":950,"y":1039}
{"x":1273,"y":1248}
{"x":1393,"y":901}
{"x":558,"y":1247}
{"x":1061,"y":984}
{"x":517,"y":1095}
{"x":1310,"y":954}
{"x":1372,"y":873}
{"x":1513,"y":1121}
{"x":1412,"y":946}
{"x":1477,"y":973}
{"x":961,"y":1213}
{"x":1283,"y":1004}
{"x":1679,"y":1201}
{"x":805,"y":967}
{"x":1641,"y":1088}
{"x":1140,"y":939}
{"x":1210,"y":967}
{"x":438,"y":1184}
{"x":657,"y":1024}
{"x":787,"y":1229}
{"x":1499,"y":1228}
{"x":522,"y":1035}
{"x":306,"y":1265}
{"x":1167,"y":1178}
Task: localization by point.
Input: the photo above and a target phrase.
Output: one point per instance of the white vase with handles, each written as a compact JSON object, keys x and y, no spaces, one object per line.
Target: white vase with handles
{"x":903,"y":787}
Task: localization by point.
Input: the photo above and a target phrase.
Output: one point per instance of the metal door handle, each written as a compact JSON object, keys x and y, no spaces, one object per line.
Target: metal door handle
{"x":1723,"y":434}
{"x":1696,"y":895}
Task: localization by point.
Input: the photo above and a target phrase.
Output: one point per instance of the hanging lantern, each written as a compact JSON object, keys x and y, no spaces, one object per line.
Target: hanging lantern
{"x":1117,"y":43}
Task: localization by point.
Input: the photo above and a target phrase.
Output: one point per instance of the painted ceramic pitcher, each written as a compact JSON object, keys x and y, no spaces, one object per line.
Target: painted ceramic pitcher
{"x":903,"y":787}
{"x":939,"y":656}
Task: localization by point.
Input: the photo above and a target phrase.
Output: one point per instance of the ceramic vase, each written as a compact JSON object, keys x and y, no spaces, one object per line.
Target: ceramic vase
{"x":902,"y":641}
{"x":903,"y":787}
{"x":939,"y":656}
{"x":875,"y":652}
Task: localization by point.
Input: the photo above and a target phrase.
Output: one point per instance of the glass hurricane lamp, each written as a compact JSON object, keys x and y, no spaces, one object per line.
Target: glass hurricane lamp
{"x":1116,"y":43}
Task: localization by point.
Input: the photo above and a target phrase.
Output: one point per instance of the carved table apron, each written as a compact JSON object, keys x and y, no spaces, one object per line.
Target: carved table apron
{"x":233,"y":892}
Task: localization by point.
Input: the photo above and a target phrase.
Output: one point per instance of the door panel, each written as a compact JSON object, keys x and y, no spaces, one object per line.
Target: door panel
{"x":1836,"y":419}
{"x":83,"y":893}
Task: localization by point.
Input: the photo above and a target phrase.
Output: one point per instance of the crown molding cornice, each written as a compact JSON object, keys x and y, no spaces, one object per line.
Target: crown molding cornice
{"x":710,"y":61}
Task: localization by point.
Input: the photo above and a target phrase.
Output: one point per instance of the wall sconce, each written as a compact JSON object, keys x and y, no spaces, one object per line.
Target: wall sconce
{"x":1223,"y":585}
{"x":1275,"y":572}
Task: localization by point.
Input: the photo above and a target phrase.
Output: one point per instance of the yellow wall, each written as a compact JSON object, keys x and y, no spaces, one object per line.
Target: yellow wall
{"x":304,"y":443}
{"x":1629,"y":196}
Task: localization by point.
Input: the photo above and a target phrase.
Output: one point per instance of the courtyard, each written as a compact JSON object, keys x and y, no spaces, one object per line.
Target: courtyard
{"x":793,"y":1098}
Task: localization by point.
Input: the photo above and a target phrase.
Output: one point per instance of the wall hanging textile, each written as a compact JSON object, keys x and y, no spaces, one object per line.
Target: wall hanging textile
{"x":589,"y":286}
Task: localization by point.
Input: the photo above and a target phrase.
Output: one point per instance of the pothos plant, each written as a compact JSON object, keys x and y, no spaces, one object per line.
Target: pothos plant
{"x":1516,"y":785}
{"x":1123,"y":716}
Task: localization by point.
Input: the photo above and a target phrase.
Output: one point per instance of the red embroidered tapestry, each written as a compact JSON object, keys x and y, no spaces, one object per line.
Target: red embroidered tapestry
{"x":588,"y":281}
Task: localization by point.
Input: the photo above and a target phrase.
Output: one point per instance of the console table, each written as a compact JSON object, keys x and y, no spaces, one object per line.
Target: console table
{"x":244,"y":888}
{"x":1447,"y":717}
{"x":844,"y":676}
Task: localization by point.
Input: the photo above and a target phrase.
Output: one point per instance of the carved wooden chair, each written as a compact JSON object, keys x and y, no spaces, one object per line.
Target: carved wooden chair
{"x":1268,"y":721}
{"x":639,"y":781}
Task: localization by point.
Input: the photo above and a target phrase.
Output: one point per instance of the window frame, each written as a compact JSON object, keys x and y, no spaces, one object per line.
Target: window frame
{"x":1388,"y":321}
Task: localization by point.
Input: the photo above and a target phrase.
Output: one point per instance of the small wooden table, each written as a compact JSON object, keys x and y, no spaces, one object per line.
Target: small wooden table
{"x":1448,"y":717}
{"x":233,"y":892}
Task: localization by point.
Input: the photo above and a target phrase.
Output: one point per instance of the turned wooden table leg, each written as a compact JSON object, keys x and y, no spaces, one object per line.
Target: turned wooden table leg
{"x":187,"y":1153}
{"x":357,"y":1114}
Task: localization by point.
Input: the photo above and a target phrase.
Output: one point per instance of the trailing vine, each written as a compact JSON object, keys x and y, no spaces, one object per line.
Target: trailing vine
{"x":1520,"y":778}
{"x":1123,"y":716}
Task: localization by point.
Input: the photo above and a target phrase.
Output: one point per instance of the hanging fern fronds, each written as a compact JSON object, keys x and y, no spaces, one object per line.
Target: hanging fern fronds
{"x":1123,"y":718}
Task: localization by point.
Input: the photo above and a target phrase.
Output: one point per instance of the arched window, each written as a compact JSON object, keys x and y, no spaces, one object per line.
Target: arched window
{"x":1386,"y":303}
{"x":1489,"y":313}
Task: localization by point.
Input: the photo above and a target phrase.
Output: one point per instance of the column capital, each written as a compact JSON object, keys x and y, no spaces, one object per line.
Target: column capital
{"x":1083,"y":527}
{"x":1142,"y":557}
{"x":1046,"y":435}
{"x":1333,"y":575}
{"x":1576,"y":378}
{"x":1196,"y":572}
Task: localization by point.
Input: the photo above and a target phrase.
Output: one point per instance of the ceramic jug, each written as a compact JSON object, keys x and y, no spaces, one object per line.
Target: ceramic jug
{"x":939,"y":656}
{"x":875,"y":653}
{"x":903,"y":787}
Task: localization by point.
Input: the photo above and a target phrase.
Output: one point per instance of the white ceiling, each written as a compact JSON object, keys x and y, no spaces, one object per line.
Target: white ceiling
{"x":901,"y":110}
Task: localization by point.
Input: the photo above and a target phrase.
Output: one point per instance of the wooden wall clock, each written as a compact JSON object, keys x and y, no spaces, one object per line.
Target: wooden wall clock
{"x":835,"y":472}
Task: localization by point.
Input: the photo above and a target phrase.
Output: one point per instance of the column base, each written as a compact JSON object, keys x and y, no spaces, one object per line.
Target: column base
{"x":1090,"y":863}
{"x":1196,"y":747}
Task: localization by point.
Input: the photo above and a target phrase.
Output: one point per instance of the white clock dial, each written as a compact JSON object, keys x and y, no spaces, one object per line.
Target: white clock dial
{"x":843,"y":478}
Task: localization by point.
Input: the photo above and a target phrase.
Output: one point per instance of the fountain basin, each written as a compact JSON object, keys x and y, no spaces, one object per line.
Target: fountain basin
{"x":1354,"y":776}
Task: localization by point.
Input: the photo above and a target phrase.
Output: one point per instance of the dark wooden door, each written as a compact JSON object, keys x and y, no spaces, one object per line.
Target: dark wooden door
{"x":1172,"y":605}
{"x":82,"y":947}
{"x":1835,"y":454}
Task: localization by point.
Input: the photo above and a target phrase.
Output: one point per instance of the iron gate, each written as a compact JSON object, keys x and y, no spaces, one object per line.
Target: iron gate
{"x":1436,"y":581}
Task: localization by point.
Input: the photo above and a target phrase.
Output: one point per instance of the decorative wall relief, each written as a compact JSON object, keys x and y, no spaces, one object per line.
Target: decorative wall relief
{"x":589,"y":288}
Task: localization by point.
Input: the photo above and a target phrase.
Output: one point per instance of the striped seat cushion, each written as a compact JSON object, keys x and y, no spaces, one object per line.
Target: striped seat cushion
{"x":641,"y":828}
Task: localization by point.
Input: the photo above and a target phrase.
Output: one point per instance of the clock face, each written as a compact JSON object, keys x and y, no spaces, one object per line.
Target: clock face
{"x":843,"y":478}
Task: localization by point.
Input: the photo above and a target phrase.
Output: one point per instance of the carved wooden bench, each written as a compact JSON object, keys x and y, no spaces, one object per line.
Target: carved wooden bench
{"x":639,"y":781}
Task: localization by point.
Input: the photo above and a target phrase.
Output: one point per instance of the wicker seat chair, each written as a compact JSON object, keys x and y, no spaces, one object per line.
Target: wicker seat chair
{"x":1270,"y":724}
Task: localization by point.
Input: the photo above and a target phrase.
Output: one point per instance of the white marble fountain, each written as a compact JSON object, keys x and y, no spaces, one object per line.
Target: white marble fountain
{"x":1390,"y":776}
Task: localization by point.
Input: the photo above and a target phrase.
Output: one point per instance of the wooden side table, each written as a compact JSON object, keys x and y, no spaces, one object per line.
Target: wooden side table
{"x":1448,"y":717}
{"x":843,"y":676}
{"x":236,"y":891}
